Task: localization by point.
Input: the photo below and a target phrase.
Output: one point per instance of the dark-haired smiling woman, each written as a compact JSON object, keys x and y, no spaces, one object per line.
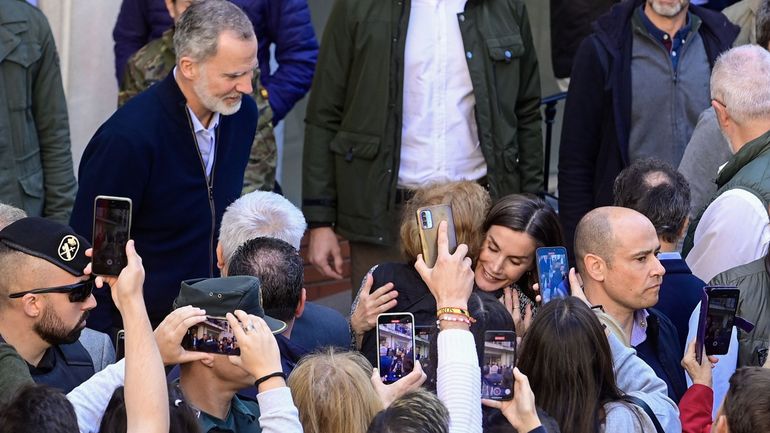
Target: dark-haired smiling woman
{"x":504,"y":263}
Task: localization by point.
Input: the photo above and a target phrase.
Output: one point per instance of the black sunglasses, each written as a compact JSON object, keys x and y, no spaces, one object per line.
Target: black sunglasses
{"x":78,"y":292}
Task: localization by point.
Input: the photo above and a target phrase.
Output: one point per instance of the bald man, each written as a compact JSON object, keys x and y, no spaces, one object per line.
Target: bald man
{"x":616,"y":251}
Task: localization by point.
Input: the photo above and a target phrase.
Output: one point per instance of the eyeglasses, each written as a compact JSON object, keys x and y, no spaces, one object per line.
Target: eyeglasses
{"x":78,"y":292}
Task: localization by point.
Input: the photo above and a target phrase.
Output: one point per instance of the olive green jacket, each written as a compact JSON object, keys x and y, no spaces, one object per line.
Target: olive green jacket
{"x":36,"y":172}
{"x":753,"y":280}
{"x":353,"y":123}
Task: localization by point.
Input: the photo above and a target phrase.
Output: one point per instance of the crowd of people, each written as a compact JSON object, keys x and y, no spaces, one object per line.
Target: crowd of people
{"x":663,"y":191}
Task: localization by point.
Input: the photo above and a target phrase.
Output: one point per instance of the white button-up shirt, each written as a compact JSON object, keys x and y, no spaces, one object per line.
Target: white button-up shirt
{"x":439,"y":138}
{"x":206,"y":138}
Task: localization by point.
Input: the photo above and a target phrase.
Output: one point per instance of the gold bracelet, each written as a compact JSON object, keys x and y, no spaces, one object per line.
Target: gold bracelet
{"x":453,"y":310}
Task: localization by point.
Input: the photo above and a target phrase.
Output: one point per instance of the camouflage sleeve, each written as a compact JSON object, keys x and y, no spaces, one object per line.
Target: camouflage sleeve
{"x":133,"y":82}
{"x":260,"y":170}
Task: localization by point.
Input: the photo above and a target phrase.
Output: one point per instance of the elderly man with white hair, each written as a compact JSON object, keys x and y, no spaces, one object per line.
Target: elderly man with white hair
{"x":266,"y":214}
{"x":734,"y":228}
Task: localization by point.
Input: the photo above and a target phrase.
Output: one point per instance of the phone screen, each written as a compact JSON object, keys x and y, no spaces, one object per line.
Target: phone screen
{"x":395,"y":334}
{"x":552,"y":269}
{"x":212,"y":336}
{"x":422,"y":345}
{"x":499,"y":360}
{"x":720,"y":318}
{"x":112,"y":227}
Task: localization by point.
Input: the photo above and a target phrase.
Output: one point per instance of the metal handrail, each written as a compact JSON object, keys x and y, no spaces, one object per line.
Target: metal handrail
{"x":550,"y":103}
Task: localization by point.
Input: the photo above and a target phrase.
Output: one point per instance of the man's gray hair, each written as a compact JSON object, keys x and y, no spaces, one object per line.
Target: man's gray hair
{"x":260,"y":214}
{"x":741,"y":82}
{"x":10,"y":214}
{"x":198,"y":29}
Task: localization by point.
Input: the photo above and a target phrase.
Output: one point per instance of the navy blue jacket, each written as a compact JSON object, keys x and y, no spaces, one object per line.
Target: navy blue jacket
{"x":661,"y":352}
{"x":147,"y":151}
{"x":285,"y":23}
{"x":680,"y":292}
{"x":320,"y":326}
{"x":597,"y":114}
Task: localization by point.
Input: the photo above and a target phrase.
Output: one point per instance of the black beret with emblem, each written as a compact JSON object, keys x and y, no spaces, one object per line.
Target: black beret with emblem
{"x":219,"y":296}
{"x":53,"y":242}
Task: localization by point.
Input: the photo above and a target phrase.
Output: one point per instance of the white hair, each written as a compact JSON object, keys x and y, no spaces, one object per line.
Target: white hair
{"x":260,"y":214}
{"x":740,"y":81}
{"x":10,"y":214}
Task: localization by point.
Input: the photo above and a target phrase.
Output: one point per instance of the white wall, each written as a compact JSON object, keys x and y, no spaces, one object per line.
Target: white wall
{"x":83,"y":33}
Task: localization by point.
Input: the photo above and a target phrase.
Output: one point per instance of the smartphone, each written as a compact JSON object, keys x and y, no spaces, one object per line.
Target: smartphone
{"x":499,"y":361}
{"x":112,"y":229}
{"x":120,"y":345}
{"x":396,"y":345}
{"x":428,"y":219}
{"x":213,"y":335}
{"x":422,"y":344}
{"x":552,"y":269}
{"x":719,"y":319}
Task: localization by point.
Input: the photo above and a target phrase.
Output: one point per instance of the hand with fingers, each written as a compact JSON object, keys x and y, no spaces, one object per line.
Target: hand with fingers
{"x":324,"y":252}
{"x":699,"y":373}
{"x":512,"y":303}
{"x":171,"y":331}
{"x":364,"y":317}
{"x":389,"y":393}
{"x":127,"y":287}
{"x":451,"y":279}
{"x":520,"y":411}
{"x":576,"y":286}
{"x":259,"y":350}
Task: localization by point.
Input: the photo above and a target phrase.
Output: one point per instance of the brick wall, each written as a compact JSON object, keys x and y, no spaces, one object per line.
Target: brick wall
{"x":318,"y":285}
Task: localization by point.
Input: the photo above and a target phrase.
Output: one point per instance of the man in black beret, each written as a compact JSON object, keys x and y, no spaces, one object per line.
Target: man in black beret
{"x":45,"y":297}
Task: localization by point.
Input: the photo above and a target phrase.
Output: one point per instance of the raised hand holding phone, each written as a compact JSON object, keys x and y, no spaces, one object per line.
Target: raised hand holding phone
{"x":111,"y":231}
{"x":520,"y":411}
{"x":451,"y":279}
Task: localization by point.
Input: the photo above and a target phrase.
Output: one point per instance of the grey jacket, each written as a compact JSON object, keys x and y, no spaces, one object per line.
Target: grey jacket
{"x":36,"y":172}
{"x":99,"y":346}
{"x":636,"y":378}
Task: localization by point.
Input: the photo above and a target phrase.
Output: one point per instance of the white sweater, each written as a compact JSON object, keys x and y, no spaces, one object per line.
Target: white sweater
{"x":459,"y":380}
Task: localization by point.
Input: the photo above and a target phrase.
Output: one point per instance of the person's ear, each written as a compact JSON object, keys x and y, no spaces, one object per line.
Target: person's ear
{"x":595,"y":267}
{"x":720,"y":426}
{"x":171,"y":9}
{"x":33,"y":305}
{"x":189,"y":68}
{"x":683,"y":230}
{"x":301,"y":304}
{"x":221,"y":260}
{"x":723,"y":117}
{"x":208,"y":362}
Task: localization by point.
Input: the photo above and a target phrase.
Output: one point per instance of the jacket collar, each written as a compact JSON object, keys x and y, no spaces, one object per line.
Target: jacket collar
{"x":12,"y":22}
{"x":172,"y":99}
{"x":614,"y":26}
{"x":745,"y":155}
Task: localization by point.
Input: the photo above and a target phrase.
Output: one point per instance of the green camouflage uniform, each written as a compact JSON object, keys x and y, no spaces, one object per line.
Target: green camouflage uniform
{"x":154,"y":61}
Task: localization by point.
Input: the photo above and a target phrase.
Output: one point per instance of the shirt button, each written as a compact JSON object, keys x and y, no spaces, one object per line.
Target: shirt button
{"x":462,"y":17}
{"x":673,"y":53}
{"x":507,"y":54}
{"x":469,"y":55}
{"x":395,"y":40}
{"x":665,"y":37}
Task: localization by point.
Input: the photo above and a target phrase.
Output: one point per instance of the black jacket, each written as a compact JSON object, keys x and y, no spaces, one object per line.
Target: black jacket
{"x":597,"y":116}
{"x":662,"y":352}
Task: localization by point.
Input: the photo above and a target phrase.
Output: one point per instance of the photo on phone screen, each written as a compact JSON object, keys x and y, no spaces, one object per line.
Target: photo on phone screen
{"x":422,"y":344}
{"x":720,"y":318}
{"x":552,"y":269}
{"x":428,"y":219}
{"x":120,"y":345}
{"x":112,"y":229}
{"x":499,"y":361}
{"x":212,"y":336}
{"x":395,"y":335}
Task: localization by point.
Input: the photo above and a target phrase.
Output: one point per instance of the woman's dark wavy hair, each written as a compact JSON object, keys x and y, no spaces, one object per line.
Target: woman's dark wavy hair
{"x":529,"y":214}
{"x":567,"y":358}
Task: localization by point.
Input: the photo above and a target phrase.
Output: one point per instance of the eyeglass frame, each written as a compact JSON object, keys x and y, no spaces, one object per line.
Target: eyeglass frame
{"x":73,"y":290}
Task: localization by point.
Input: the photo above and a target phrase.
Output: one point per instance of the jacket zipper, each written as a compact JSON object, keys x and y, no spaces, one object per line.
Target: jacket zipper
{"x":209,"y":186}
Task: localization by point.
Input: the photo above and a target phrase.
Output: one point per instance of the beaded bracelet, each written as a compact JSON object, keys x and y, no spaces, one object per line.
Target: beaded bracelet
{"x":452,"y":319}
